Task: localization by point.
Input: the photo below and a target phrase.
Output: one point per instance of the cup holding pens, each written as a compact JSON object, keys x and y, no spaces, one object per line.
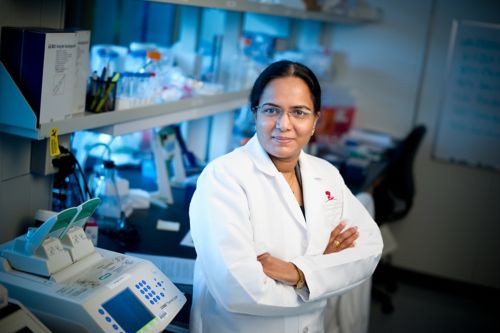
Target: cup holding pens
{"x":101,"y":94}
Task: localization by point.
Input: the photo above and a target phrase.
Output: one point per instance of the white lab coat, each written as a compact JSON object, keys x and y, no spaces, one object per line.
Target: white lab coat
{"x":243,"y":207}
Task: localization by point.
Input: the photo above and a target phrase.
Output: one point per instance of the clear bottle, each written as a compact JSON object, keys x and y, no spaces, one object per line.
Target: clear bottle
{"x":108,"y":215}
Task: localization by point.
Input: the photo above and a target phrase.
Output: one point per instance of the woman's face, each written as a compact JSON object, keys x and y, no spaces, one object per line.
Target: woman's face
{"x":285,"y":118}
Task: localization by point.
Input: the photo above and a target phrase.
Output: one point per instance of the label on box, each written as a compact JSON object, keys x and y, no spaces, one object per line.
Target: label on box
{"x":58,"y":82}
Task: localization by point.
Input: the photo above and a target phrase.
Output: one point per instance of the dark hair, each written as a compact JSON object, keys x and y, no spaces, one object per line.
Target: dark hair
{"x":281,"y":69}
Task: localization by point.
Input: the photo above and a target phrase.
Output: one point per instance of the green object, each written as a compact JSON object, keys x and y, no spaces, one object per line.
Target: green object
{"x":63,"y":219}
{"x":88,"y":208}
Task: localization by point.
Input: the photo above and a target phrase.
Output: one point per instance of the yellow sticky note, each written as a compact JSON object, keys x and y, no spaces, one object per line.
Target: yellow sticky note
{"x":54,"y":143}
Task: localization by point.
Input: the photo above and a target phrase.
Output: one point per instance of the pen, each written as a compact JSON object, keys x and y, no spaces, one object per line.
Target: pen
{"x":103,"y":74}
{"x":94,"y":83}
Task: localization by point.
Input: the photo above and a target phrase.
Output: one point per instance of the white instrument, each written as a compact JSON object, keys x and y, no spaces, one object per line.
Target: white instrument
{"x":73,"y":287}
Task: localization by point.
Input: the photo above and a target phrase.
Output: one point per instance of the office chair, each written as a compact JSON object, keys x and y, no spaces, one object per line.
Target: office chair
{"x":393,"y":196}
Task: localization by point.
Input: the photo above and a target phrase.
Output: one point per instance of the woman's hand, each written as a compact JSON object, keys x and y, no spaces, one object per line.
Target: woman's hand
{"x":341,"y":240}
{"x":287,"y":273}
{"x":279,"y":270}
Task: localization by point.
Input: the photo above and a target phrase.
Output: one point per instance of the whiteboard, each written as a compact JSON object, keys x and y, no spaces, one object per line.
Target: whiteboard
{"x":469,"y":126}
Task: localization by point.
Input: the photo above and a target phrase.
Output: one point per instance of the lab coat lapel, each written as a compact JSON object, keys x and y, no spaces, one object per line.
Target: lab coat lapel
{"x":263,"y":163}
{"x":312,"y":190}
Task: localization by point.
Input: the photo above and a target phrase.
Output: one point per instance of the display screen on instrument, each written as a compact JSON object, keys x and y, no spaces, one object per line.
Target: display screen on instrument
{"x":126,"y":309}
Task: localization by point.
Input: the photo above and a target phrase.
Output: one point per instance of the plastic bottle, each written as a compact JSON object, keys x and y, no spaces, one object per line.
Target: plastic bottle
{"x":108,"y":215}
{"x":135,"y":60}
{"x":242,"y":69}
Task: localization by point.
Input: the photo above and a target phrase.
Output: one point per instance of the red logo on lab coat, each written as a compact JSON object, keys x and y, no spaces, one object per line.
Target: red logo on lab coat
{"x":329,"y":195}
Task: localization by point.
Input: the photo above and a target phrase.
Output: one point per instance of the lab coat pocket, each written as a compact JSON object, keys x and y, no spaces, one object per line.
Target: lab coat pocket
{"x":333,"y":212}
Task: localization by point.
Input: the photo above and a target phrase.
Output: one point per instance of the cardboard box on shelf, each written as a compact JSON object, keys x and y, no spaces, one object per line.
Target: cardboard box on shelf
{"x":48,"y":73}
{"x":42,"y":61}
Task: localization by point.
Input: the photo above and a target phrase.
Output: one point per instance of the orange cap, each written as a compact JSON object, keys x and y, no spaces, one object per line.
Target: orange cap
{"x":154,"y":55}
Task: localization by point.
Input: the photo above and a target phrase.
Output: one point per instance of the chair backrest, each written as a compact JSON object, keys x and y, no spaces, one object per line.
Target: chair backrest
{"x":394,"y":195}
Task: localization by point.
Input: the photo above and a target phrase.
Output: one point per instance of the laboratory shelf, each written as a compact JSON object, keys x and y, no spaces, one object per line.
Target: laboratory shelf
{"x":17,"y":117}
{"x":121,"y":122}
{"x":131,"y":120}
{"x":280,"y":10}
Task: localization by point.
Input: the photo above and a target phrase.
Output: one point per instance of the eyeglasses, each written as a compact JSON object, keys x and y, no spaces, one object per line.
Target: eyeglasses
{"x":274,"y":112}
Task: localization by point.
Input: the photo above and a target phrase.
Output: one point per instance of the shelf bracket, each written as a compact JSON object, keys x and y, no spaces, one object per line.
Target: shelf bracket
{"x":16,"y":115}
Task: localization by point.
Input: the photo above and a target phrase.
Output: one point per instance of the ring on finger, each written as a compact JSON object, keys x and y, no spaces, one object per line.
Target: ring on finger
{"x":336,"y":243}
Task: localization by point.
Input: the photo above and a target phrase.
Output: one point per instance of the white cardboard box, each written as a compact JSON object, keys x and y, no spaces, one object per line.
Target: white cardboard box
{"x":48,"y":73}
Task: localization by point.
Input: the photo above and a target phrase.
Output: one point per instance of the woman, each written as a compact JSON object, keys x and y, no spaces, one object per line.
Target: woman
{"x":276,"y":230}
